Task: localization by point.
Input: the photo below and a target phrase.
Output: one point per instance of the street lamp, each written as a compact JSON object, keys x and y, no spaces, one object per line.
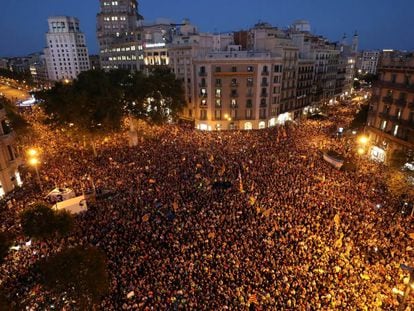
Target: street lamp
{"x":363,"y":140}
{"x":34,"y":161}
{"x":361,"y":151}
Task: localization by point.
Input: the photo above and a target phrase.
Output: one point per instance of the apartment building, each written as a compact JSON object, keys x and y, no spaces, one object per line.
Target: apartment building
{"x":66,"y":53}
{"x":120,"y":35}
{"x":9,"y":157}
{"x":368,"y":62}
{"x":391,"y":114}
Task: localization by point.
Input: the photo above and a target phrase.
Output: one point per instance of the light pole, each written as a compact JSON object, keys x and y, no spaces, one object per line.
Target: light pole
{"x":34,"y":161}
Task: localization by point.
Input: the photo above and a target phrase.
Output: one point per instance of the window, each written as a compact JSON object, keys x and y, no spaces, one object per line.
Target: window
{"x":249,"y":81}
{"x":233,"y":103}
{"x":218,"y":69}
{"x":249,"y":103}
{"x":217,"y":114}
{"x":278,"y":68}
{"x":262,"y":113}
{"x":393,"y":78}
{"x":395,"y":132}
{"x":218,"y":103}
{"x":218,"y":92}
{"x":250,"y":68}
{"x":233,"y":114}
{"x":263,"y":102}
{"x":218,"y":82}
{"x":234,"y":69}
{"x":233,"y":82}
{"x":276,"y":79}
{"x":383,"y":125}
{"x":203,"y":114}
{"x":203,"y":102}
{"x":10,"y":153}
{"x":248,"y":114}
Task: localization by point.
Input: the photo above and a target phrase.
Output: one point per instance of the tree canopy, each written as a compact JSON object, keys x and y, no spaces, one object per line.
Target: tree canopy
{"x":5,"y":243}
{"x":79,"y":272}
{"x":40,"y":221}
{"x":90,"y":104}
{"x":98,"y":100}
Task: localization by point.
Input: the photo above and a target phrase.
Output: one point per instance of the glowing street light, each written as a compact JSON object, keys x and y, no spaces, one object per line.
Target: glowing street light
{"x":32,"y":152}
{"x":34,"y":161}
{"x":363,"y":140}
{"x":361,"y":151}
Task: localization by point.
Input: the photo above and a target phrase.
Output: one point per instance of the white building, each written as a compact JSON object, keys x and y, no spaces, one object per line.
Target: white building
{"x":369,"y":62}
{"x":66,"y":52}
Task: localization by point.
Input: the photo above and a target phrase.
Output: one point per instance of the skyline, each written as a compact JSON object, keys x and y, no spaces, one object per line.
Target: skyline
{"x":23,"y":24}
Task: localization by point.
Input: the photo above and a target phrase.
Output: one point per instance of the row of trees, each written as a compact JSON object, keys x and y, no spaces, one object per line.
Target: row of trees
{"x":77,"y":273}
{"x":97,"y":101}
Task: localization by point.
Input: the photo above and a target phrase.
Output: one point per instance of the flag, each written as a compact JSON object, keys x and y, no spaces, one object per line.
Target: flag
{"x":267,"y":212}
{"x":252,"y":299}
{"x":241,"y":182}
{"x":252,"y":200}
{"x":211,"y":235}
{"x":175,"y":206}
{"x":337,"y":220}
{"x":222,"y":170}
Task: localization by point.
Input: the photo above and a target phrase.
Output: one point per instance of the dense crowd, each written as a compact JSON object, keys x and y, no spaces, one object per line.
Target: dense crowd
{"x":291,"y":231}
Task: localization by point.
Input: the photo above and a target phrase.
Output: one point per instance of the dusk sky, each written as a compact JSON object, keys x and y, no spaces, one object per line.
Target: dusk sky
{"x":380,"y":23}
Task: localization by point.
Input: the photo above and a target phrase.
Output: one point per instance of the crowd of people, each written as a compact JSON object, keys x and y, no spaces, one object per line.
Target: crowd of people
{"x":289,"y":233}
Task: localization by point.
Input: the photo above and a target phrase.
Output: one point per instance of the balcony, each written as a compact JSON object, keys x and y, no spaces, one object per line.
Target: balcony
{"x":249,"y":94}
{"x":264,"y":95}
{"x":203,"y":95}
{"x":202,"y":84}
{"x":202,"y":74}
{"x":265,"y":73}
{"x":386,"y":115}
{"x":234,"y":94}
{"x":234,"y":84}
{"x":388,"y":99}
{"x":264,"y":83}
{"x":401,"y":102}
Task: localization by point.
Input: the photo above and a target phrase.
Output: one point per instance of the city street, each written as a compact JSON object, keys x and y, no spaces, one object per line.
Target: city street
{"x":11,"y":91}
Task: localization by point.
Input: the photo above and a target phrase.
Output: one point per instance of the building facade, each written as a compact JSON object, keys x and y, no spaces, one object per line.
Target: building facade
{"x":391,"y":114}
{"x":9,"y":157}
{"x":120,"y":35}
{"x":368,"y":62}
{"x":66,"y":52}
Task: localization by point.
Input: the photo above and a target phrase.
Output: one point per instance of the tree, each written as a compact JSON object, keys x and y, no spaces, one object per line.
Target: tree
{"x":40,"y":221}
{"x":157,"y":98}
{"x":5,"y":243}
{"x":361,"y":118}
{"x":16,"y":121}
{"x":79,"y":272}
{"x":5,"y":304}
{"x":91,"y":106}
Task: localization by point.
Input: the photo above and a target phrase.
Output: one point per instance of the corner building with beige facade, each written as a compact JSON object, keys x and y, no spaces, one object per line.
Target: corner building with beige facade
{"x":391,"y":113}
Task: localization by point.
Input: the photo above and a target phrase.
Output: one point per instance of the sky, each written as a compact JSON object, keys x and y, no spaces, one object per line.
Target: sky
{"x":381,"y":24}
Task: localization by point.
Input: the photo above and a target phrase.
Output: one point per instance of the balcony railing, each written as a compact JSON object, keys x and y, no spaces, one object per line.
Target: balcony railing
{"x":401,"y":102}
{"x":264,"y":83}
{"x":202,"y":73}
{"x":264,"y":95}
{"x":388,"y":99}
{"x":265,"y":73}
{"x":234,"y":84}
{"x":234,"y":95}
{"x":249,"y":94}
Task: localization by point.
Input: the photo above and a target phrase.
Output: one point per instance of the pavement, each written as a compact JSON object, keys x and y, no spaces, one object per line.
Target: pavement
{"x":12,"y":92}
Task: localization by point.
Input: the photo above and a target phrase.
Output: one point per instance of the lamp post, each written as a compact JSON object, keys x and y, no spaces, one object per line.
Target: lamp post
{"x":34,"y":161}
